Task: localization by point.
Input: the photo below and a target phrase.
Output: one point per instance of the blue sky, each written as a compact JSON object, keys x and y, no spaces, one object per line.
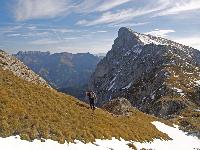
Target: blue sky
{"x":92,"y":25}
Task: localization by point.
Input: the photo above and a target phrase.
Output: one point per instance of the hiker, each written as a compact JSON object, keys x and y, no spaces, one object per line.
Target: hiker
{"x":92,"y":97}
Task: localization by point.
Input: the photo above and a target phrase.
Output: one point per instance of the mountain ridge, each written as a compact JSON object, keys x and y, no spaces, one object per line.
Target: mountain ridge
{"x":128,"y":49}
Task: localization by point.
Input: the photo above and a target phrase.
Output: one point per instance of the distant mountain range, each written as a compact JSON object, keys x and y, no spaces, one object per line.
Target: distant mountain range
{"x":66,"y":72}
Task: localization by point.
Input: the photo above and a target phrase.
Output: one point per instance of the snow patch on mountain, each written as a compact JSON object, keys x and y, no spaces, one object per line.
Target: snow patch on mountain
{"x":128,"y":86}
{"x":112,"y":85}
{"x":146,"y":40}
{"x":197,"y":82}
{"x":180,"y":91}
{"x":12,"y":143}
{"x":180,"y":140}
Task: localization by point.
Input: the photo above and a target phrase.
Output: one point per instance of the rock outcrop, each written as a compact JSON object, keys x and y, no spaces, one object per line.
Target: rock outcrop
{"x":118,"y":106}
{"x":9,"y":62}
{"x":156,"y":75}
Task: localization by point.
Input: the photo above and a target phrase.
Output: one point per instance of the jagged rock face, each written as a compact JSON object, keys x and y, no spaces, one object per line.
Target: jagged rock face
{"x":118,"y":106}
{"x":9,"y":62}
{"x":66,"y":72}
{"x":156,"y":75}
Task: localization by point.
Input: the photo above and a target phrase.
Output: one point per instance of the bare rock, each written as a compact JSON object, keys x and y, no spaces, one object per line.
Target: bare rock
{"x":118,"y":106}
{"x":9,"y":62}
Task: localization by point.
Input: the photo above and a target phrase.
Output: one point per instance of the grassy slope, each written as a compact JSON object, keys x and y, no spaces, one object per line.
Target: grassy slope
{"x":33,"y":111}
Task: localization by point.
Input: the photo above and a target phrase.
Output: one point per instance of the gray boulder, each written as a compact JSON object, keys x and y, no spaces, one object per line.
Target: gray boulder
{"x":118,"y":106}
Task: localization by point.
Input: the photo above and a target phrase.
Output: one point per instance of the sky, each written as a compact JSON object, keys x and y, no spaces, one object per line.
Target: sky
{"x":78,"y":26}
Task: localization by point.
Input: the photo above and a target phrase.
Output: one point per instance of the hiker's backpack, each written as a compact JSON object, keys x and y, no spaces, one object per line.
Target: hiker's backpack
{"x":89,"y":94}
{"x":93,"y":95}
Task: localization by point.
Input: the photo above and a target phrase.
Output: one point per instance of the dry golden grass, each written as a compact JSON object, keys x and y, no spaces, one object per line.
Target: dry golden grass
{"x":34,"y":112}
{"x":189,"y":120}
{"x":180,"y":79}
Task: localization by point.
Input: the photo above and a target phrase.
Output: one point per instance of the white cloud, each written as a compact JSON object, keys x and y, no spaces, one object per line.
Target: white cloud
{"x":102,"y":31}
{"x":106,"y":5}
{"x":124,"y":15}
{"x":177,"y":7}
{"x":71,"y":38}
{"x":160,"y":33}
{"x":28,"y":34}
{"x":34,"y":34}
{"x":128,"y":24}
{"x":45,"y":41}
{"x":34,"y":9}
{"x":88,"y":6}
{"x":31,"y":27}
{"x":49,"y":29}
{"x":10,"y":29}
{"x":61,"y":30}
{"x":42,"y":9}
{"x":13,"y":35}
{"x":109,"y":17}
{"x":193,"y":41}
{"x":155,"y":8}
{"x":190,"y":41}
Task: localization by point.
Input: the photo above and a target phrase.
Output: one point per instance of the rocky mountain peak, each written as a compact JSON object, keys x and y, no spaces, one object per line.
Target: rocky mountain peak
{"x":157,"y":75}
{"x":126,"y":39}
{"x":127,"y":35}
{"x":123,"y":31}
{"x":130,"y":41}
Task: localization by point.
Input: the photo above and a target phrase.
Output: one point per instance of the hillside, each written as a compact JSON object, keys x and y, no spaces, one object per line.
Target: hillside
{"x":66,"y":72}
{"x":8,"y":62}
{"x":34,"y":111}
{"x":156,"y":75}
